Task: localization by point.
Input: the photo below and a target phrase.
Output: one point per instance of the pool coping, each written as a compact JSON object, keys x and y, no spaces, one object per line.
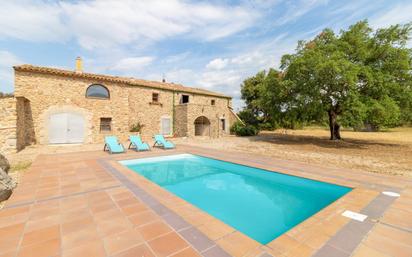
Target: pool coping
{"x":197,"y":239}
{"x":318,"y":235}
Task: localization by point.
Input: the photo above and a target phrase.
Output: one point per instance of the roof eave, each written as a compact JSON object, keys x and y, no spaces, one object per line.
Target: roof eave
{"x":109,"y":78}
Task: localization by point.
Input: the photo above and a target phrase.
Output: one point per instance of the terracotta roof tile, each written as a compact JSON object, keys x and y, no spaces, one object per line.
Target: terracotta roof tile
{"x":125,"y":80}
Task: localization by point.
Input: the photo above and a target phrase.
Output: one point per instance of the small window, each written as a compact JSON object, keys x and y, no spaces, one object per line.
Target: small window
{"x":97,"y":91}
{"x":212,"y":102}
{"x":155,"y":97}
{"x":105,"y":124}
{"x":223,"y":124}
{"x":184,"y":99}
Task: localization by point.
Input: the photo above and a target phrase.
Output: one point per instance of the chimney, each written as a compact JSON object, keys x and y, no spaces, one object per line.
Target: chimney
{"x":79,"y":65}
{"x":163,"y":78}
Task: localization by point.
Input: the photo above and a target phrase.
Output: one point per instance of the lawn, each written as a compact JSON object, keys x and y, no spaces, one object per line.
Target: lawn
{"x":388,"y":152}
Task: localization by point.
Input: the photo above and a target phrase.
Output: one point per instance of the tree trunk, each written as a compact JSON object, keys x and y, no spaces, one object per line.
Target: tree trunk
{"x":334,"y":127}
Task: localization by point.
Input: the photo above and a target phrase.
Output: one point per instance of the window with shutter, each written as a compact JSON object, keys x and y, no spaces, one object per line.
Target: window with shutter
{"x":166,"y":126}
{"x":105,"y":124}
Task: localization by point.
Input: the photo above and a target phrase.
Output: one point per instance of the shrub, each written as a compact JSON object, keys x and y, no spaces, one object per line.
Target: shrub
{"x":137,"y":127}
{"x":243,"y":130}
{"x":248,"y":117}
{"x":383,"y":113}
{"x":267,"y":126}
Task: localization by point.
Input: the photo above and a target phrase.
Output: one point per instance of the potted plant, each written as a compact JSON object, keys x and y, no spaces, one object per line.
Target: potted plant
{"x":136,"y":128}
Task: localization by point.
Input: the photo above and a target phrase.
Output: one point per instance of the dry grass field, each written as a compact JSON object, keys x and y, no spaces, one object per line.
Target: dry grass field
{"x":388,"y":152}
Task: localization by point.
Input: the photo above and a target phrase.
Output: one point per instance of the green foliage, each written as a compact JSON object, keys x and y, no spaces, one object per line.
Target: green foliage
{"x":267,"y":126}
{"x":242,"y":130}
{"x":248,"y":117}
{"x":252,"y":90}
{"x":383,"y":113}
{"x":355,"y":114}
{"x":356,"y":78}
{"x":137,"y":127}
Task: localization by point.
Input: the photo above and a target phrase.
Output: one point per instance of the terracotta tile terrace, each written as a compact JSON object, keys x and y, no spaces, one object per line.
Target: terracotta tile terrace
{"x":87,"y":204}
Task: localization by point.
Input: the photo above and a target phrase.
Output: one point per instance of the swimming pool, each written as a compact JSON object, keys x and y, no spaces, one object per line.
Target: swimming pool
{"x":259,"y":203}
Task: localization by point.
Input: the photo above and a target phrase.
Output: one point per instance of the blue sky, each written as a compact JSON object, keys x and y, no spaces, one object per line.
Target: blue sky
{"x":208,"y":44}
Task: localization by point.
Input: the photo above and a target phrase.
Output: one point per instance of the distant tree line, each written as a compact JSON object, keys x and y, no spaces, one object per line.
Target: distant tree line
{"x":360,"y":78}
{"x":4,"y":95}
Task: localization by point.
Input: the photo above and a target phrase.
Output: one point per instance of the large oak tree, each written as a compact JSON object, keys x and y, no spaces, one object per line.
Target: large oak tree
{"x":357,"y":78}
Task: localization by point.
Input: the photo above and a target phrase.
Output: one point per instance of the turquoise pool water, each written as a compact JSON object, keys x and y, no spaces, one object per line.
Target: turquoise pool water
{"x":259,"y":203}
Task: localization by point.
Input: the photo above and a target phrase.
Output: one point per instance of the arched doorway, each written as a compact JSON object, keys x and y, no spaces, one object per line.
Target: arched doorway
{"x":202,"y":126}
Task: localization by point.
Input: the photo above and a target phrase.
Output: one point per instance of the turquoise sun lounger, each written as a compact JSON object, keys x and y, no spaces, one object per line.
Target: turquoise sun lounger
{"x":112,"y":145}
{"x":162,"y":142}
{"x":137,"y":144}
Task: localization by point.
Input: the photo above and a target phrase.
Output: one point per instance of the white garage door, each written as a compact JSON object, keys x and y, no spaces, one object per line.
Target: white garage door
{"x":66,"y":128}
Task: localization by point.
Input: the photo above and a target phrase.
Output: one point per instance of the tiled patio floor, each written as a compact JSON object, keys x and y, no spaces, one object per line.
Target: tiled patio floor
{"x":86,"y":204}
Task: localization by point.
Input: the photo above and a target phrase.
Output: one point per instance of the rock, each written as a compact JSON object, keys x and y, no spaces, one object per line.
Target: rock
{"x":7,"y":184}
{"x":4,"y":163}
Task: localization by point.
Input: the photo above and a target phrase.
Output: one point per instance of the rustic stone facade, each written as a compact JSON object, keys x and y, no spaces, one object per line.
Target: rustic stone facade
{"x":43,"y":92}
{"x":8,"y":124}
{"x":199,"y":106}
{"x":25,"y":127}
{"x":15,"y":124}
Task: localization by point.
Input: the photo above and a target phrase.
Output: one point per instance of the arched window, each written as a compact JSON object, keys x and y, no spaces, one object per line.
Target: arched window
{"x":97,"y":91}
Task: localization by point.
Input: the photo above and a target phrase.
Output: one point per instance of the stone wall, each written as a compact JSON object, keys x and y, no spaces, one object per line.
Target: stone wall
{"x":143,"y":110}
{"x":180,"y":121}
{"x":8,"y":125}
{"x":210,"y":112}
{"x":25,"y":129}
{"x":48,"y":94}
{"x":16,"y":126}
{"x":200,"y":105}
{"x":51,"y":94}
{"x":20,"y":123}
{"x":233,"y":117}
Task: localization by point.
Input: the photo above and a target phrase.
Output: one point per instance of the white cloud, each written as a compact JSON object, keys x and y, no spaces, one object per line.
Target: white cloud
{"x":184,"y":76}
{"x":296,"y":9}
{"x":7,"y":61}
{"x":32,"y":21}
{"x":131,"y":64}
{"x":105,"y":24}
{"x":108,"y":23}
{"x":222,"y":80}
{"x":215,"y":23}
{"x":217,"y":64}
{"x":399,"y":14}
{"x":176,"y":58}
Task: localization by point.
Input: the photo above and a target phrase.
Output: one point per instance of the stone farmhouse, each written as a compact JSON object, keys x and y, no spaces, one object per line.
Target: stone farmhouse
{"x":55,"y":106}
